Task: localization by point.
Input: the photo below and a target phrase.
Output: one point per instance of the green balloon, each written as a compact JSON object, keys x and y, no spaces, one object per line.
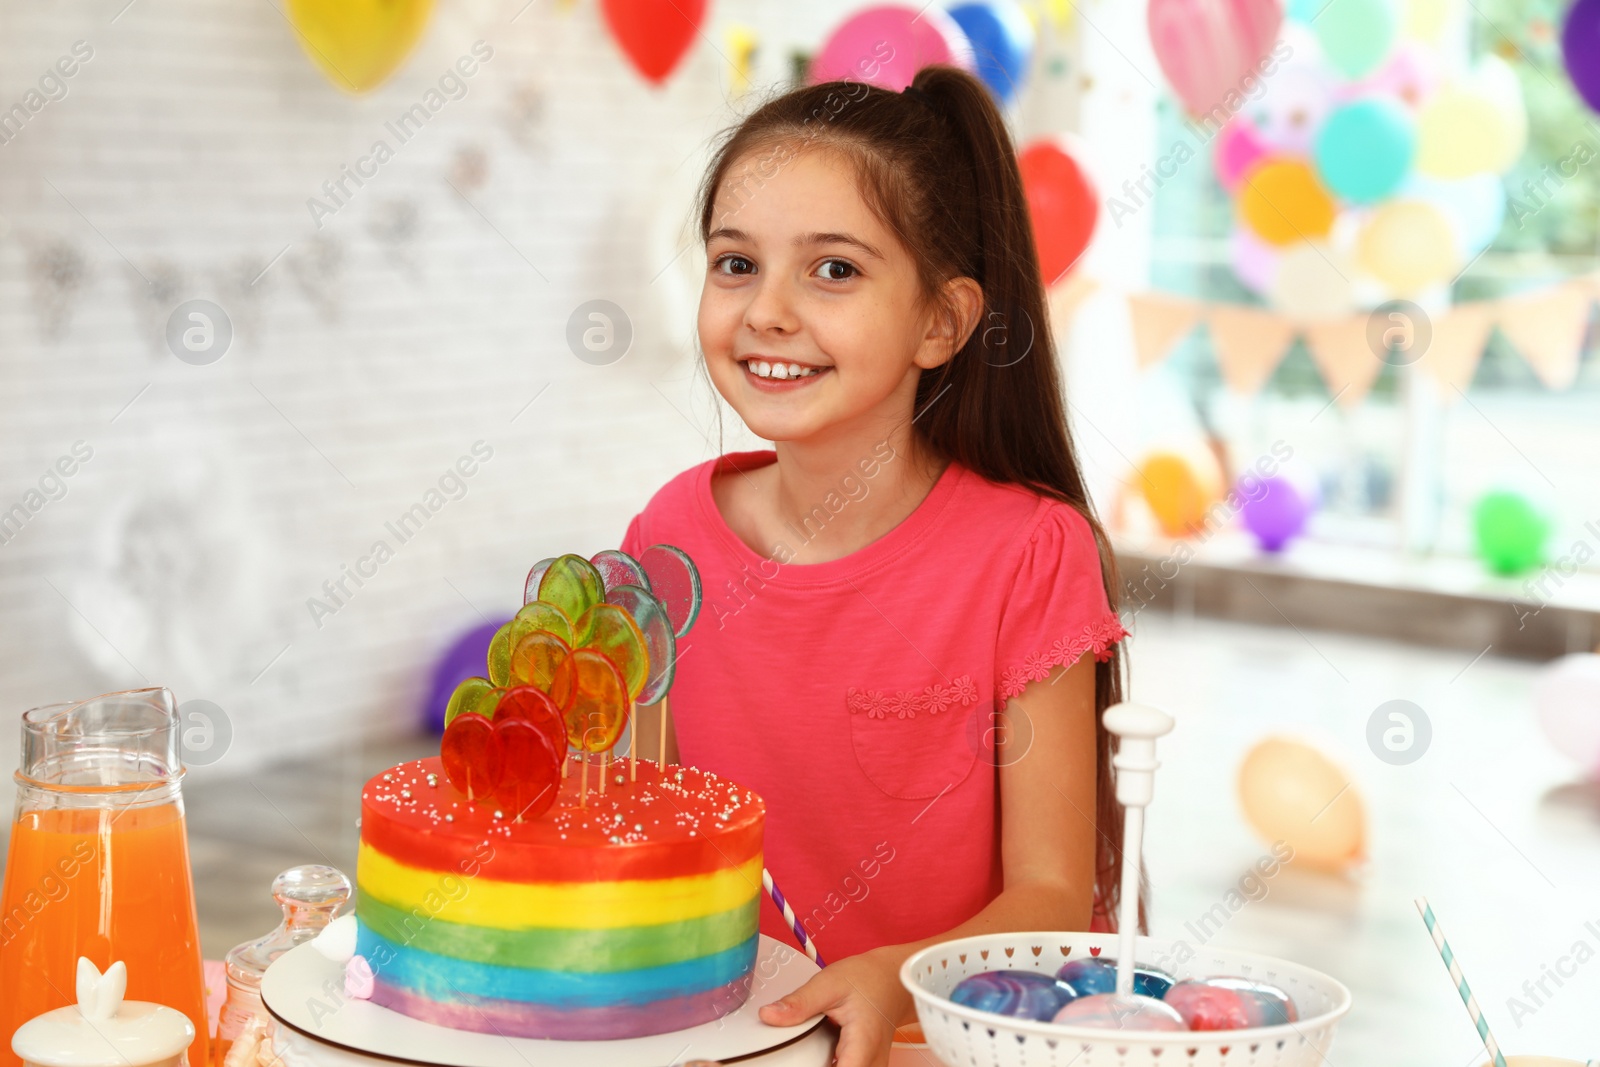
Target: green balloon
{"x":1357,"y":35}
{"x":1510,"y":532}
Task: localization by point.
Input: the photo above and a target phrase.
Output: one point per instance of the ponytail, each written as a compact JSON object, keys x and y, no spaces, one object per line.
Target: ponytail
{"x":937,"y":165}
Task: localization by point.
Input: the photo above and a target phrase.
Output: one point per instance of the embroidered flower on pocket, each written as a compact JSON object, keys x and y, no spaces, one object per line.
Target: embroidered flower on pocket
{"x":905,"y":703}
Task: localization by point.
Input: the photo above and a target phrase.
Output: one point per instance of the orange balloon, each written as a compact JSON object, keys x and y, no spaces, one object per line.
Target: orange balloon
{"x":1282,"y":201}
{"x":1293,"y":793}
{"x":1179,"y":492}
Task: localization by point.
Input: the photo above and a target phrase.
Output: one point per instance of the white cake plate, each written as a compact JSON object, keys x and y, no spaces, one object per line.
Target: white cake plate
{"x":304,"y":990}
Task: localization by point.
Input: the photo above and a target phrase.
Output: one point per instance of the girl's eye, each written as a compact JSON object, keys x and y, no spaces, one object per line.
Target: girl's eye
{"x":734,"y":264}
{"x":836,"y":270}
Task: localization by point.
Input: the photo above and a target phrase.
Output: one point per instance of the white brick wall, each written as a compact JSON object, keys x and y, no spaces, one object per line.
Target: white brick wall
{"x":219,"y":498}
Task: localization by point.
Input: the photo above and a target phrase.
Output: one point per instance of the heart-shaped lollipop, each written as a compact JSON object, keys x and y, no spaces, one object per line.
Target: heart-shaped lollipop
{"x":515,"y":758}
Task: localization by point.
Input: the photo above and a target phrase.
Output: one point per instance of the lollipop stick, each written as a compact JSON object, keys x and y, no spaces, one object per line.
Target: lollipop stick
{"x":605,"y":770}
{"x":633,"y":744}
{"x":1454,"y":966}
{"x":566,"y":762}
{"x":1137,"y":726}
{"x":661,"y":759}
{"x":583,"y":783}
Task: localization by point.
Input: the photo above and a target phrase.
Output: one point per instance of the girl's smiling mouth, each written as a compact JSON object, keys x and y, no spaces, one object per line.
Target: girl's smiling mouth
{"x":769,"y":373}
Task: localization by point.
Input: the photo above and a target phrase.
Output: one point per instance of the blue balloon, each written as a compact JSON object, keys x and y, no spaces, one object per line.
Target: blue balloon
{"x":1365,"y":148}
{"x":1002,"y":42}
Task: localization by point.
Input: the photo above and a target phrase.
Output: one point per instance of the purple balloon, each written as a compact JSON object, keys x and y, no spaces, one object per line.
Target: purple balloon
{"x":1274,"y":510}
{"x":466,"y":657}
{"x":1580,"y":44}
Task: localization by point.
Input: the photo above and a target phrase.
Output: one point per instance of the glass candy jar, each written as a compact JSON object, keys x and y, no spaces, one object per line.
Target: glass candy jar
{"x":310,"y":897}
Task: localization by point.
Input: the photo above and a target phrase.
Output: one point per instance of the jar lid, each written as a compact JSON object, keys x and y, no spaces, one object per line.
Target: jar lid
{"x":103,"y":1030}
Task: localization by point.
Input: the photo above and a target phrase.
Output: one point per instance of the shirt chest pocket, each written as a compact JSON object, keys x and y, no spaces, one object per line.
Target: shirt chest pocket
{"x":915,"y":743}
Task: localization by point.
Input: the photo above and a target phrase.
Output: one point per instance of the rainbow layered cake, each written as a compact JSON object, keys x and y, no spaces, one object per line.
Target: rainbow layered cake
{"x":632,"y":914}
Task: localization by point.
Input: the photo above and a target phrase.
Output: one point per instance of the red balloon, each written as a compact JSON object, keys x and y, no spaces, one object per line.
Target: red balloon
{"x":1062,"y":203}
{"x":470,"y":752}
{"x":654,"y":34}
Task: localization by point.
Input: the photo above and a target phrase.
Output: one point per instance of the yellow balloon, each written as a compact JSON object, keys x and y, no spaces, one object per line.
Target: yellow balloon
{"x":358,"y":43}
{"x":1426,"y":19}
{"x":1475,"y":126}
{"x":1290,"y":792}
{"x":1408,"y":245}
{"x":1179,"y":491}
{"x":1283,"y":202}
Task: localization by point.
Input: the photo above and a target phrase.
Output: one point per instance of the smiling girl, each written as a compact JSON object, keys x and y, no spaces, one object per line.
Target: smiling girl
{"x":910,"y":632}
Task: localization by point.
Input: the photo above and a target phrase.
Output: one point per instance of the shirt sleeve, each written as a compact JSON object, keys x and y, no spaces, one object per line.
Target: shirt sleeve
{"x":1057,"y":609}
{"x":633,"y":541}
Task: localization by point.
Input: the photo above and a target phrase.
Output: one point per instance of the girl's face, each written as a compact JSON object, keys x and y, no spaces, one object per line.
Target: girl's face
{"x":811,"y":318}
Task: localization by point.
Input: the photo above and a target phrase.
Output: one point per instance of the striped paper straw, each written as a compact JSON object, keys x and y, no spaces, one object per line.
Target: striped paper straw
{"x":794,"y":923}
{"x":1460,"y":980}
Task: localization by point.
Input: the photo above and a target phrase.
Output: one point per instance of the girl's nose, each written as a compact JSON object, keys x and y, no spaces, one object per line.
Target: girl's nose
{"x":770,"y":309}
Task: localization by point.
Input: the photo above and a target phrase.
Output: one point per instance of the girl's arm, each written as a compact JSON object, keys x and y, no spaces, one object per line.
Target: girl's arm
{"x":1046,"y":753}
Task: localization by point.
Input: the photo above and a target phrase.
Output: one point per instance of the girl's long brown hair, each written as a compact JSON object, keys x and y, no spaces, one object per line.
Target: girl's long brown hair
{"x":937,"y":165}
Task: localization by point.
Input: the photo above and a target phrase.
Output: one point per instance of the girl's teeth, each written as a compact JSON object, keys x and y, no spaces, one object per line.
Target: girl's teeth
{"x":780,"y":371}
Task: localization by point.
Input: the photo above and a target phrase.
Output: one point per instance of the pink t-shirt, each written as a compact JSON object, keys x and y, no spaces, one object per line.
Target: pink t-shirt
{"x":857,"y":696}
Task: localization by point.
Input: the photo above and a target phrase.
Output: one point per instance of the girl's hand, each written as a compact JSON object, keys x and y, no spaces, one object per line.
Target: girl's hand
{"x":862,"y":995}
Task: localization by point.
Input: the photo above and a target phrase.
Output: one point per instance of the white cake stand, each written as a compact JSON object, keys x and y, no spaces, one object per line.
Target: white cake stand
{"x":304,"y":991}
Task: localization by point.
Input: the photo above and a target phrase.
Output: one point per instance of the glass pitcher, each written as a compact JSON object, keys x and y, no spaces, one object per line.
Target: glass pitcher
{"x":98,"y":864}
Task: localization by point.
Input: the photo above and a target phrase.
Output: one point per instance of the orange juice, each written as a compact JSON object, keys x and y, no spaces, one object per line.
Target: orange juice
{"x":107,"y":883}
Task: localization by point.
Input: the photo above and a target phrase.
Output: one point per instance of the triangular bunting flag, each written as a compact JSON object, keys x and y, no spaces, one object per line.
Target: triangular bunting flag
{"x":1159,"y":322}
{"x":1547,"y":329}
{"x":1456,"y":345}
{"x":1344,"y":357}
{"x":1249,"y":344}
{"x":1066,"y":296}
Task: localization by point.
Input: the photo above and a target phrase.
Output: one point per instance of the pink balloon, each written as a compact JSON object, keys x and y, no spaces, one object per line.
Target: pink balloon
{"x":887,"y":46}
{"x":1411,"y":76}
{"x":1240,"y":146}
{"x":1255,"y":263}
{"x":1207,"y":48}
